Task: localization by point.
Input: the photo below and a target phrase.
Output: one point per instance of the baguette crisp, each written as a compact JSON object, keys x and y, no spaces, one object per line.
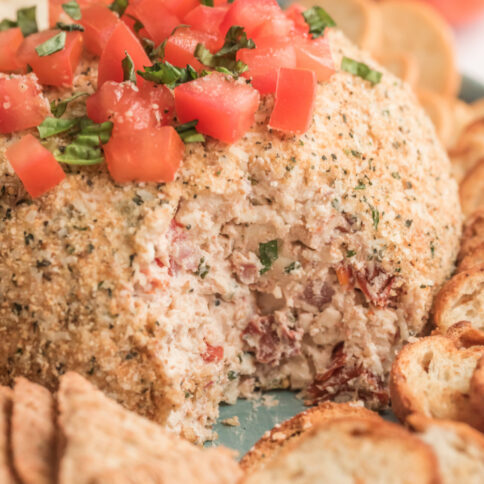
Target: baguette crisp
{"x":432,"y":377}
{"x":33,"y":433}
{"x":6,"y":474}
{"x":352,"y":450}
{"x":458,"y":447}
{"x":275,"y":440}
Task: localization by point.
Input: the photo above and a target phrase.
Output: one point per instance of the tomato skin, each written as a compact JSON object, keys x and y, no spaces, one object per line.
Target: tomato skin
{"x":180,"y":7}
{"x":294,"y":12}
{"x":213,"y":354}
{"x":206,"y":19}
{"x":157,"y":19}
{"x":122,"y":40}
{"x":315,"y":55}
{"x":180,"y":47}
{"x":56,"y":13}
{"x":151,"y":154}
{"x":124,"y":102}
{"x":22,"y":104}
{"x":56,"y":69}
{"x":264,"y":64}
{"x":10,"y":41}
{"x":250,"y":14}
{"x":98,"y":22}
{"x":294,"y":101}
{"x":35,"y":165}
{"x":224,"y":109}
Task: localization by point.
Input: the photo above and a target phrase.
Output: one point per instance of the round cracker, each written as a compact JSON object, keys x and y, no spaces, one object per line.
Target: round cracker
{"x":472,"y":189}
{"x":439,"y":111}
{"x":416,"y":28}
{"x":358,"y":19}
{"x":403,"y":64}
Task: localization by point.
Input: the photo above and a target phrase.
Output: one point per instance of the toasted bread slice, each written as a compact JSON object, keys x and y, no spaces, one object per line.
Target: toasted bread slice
{"x":469,"y":148}
{"x":33,"y":433}
{"x":6,"y":473}
{"x":438,"y":108}
{"x":432,"y":377}
{"x":461,"y":299}
{"x":458,"y":447}
{"x":473,"y":233}
{"x":352,"y":450}
{"x":100,"y":437}
{"x":473,"y":259}
{"x":276,"y":439}
{"x":472,"y":189}
{"x":477,"y":388}
{"x":358,"y":19}
{"x":403,"y":64}
{"x":416,"y":28}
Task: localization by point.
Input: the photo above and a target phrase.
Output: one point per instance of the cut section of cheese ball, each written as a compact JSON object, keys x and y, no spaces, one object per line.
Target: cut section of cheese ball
{"x":277,"y":261}
{"x":352,"y":450}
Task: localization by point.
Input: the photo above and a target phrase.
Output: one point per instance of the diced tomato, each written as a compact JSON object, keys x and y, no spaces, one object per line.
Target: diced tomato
{"x":264,"y":63}
{"x":213,"y":354}
{"x":251,"y":14}
{"x":278,"y":26}
{"x":130,"y":20}
{"x":294,"y":102}
{"x":151,"y":154}
{"x":294,"y":12}
{"x":206,"y":19}
{"x":22,"y":104}
{"x":180,"y":47}
{"x":144,"y":106}
{"x":180,"y":7}
{"x":34,"y":165}
{"x":315,"y":55}
{"x":10,"y":41}
{"x":98,"y":22}
{"x":122,"y":40}
{"x":56,"y":69}
{"x":56,"y":12}
{"x":158,"y":21}
{"x":225,"y":109}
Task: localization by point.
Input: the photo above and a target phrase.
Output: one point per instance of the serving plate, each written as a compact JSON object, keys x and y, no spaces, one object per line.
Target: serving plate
{"x":259,"y":415}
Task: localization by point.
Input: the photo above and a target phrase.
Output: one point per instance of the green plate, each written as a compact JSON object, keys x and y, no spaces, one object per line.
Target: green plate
{"x":254,"y":416}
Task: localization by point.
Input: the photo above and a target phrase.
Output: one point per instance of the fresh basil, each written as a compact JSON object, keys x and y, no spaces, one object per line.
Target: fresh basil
{"x":58,"y":108}
{"x":119,"y":6}
{"x":226,"y":57}
{"x":86,"y":148}
{"x":27,"y":20}
{"x":168,"y":74}
{"x":128,"y":68}
{"x":53,"y":45}
{"x":72,"y":9}
{"x":69,"y":27}
{"x":189,"y":134}
{"x":7,"y":24}
{"x":268,"y":254}
{"x":361,"y":70}
{"x":53,"y":126}
{"x":318,"y":19}
{"x":208,"y":3}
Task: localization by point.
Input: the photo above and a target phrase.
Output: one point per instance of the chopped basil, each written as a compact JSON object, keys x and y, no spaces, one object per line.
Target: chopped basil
{"x":26,"y":20}
{"x":53,"y":45}
{"x":225,"y":60}
{"x":52,"y":126}
{"x":189,"y":134}
{"x":268,"y":254}
{"x":119,"y":6}
{"x":168,"y":74}
{"x":86,"y":147}
{"x":292,"y":267}
{"x":208,"y":3}
{"x":361,"y":70}
{"x":350,"y":253}
{"x":69,"y":27}
{"x":72,"y":9}
{"x":6,"y":24}
{"x":318,"y":19}
{"x":59,"y":108}
{"x":203,"y":269}
{"x":375,"y":215}
{"x":232,"y":375}
{"x":128,"y":68}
